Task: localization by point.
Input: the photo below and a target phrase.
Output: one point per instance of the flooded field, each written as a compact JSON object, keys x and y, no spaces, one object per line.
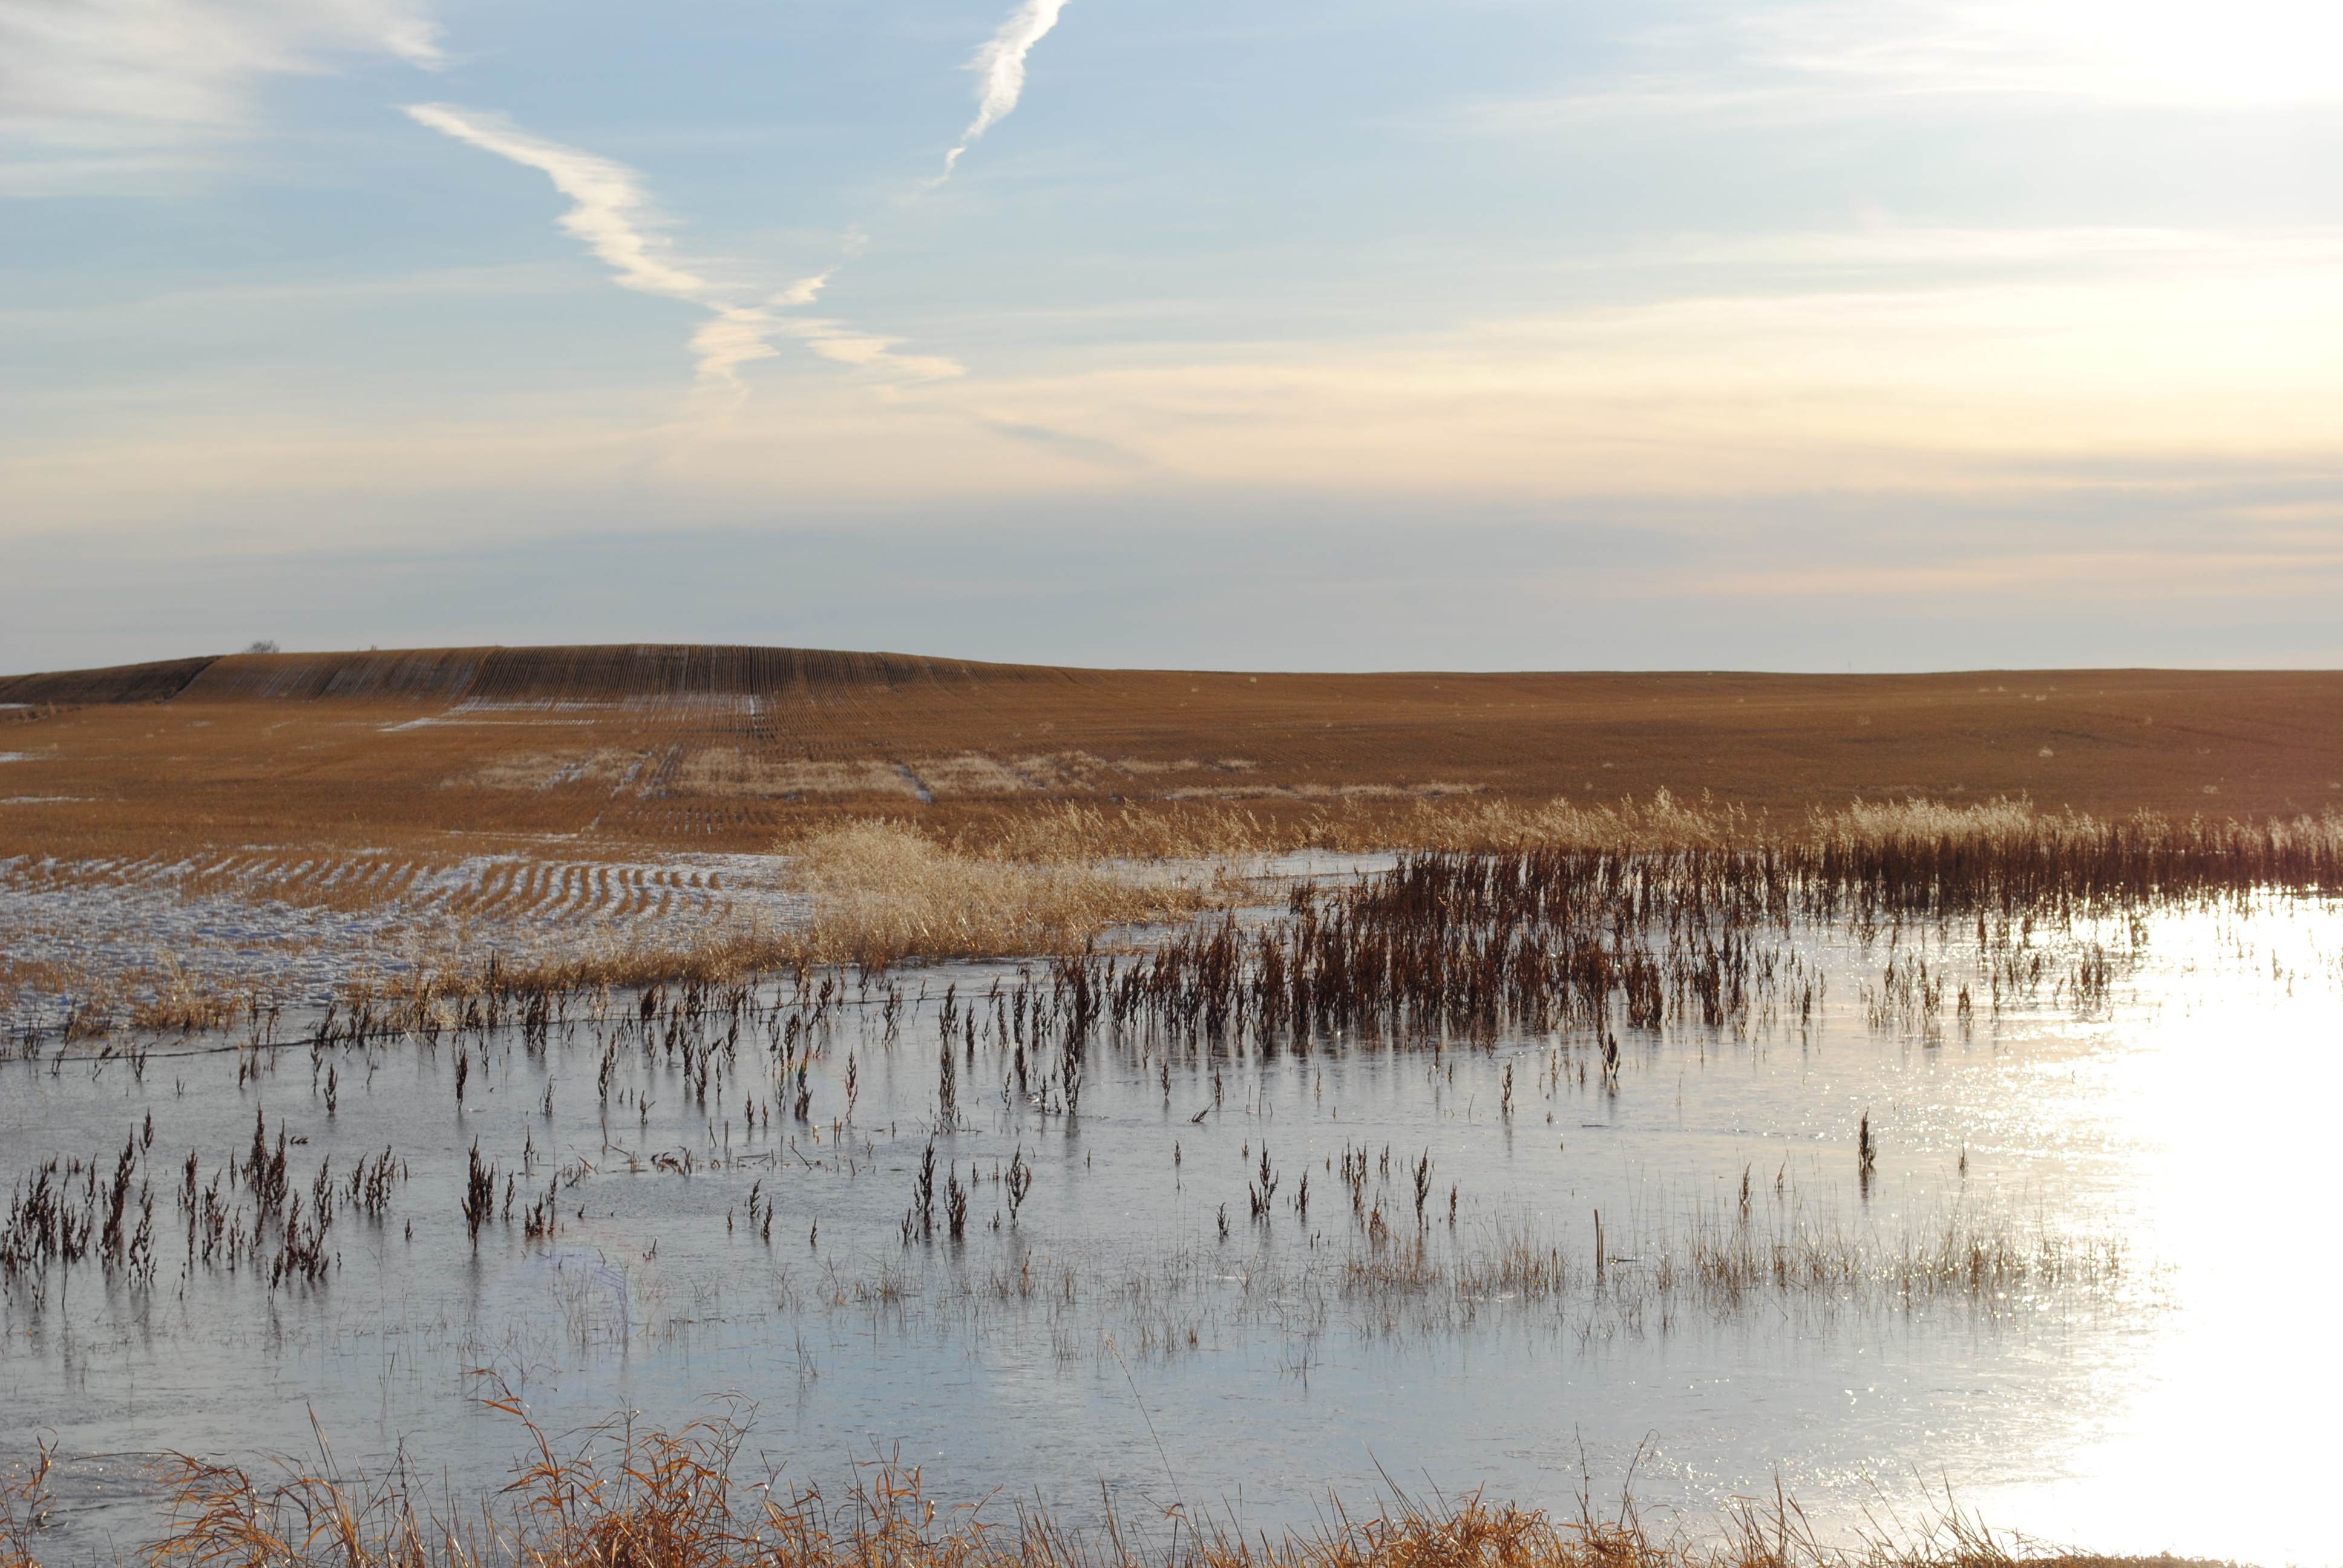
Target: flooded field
{"x":1870,"y":1208}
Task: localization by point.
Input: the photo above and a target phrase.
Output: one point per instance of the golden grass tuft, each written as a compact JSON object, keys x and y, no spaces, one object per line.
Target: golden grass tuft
{"x":184,"y":1003}
{"x":883,"y":891}
{"x":1069,"y":832}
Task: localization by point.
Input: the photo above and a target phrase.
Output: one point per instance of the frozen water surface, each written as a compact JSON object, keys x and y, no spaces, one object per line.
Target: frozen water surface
{"x":2153,"y":1156}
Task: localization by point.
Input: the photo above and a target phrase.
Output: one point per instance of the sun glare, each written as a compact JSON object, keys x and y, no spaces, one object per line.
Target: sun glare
{"x":2218,"y":1097}
{"x":2256,"y":52}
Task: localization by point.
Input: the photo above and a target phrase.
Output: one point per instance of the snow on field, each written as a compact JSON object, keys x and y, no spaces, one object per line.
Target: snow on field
{"x":297,"y":929}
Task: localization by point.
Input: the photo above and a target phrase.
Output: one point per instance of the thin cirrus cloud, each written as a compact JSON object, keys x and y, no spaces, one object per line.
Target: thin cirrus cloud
{"x":613,"y":216}
{"x":110,"y":73}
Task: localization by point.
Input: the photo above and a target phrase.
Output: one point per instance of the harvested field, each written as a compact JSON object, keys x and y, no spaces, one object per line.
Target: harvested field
{"x":622,"y":751}
{"x":175,"y":837}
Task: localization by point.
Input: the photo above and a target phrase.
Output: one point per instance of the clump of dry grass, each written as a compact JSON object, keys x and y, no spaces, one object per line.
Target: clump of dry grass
{"x":90,"y":997}
{"x":2001,"y":826}
{"x":1918,"y":820}
{"x":1071,"y":832}
{"x":2004,"y":842}
{"x":883,"y":891}
{"x":1664,"y":822}
{"x":183,"y":1002}
{"x":427,"y":988}
{"x":209,"y":989}
{"x":623,"y":1498}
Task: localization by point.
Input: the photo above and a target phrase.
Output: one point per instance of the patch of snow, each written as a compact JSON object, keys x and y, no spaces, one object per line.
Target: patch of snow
{"x":100,"y":917}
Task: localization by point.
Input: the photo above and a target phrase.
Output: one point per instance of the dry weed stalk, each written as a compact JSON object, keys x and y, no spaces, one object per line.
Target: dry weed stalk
{"x":25,"y":1501}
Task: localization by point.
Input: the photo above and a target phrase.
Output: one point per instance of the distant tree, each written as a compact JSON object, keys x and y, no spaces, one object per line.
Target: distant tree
{"x":265,"y":645}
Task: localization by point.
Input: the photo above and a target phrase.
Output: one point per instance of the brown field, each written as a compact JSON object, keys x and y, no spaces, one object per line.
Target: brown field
{"x":643,"y":751}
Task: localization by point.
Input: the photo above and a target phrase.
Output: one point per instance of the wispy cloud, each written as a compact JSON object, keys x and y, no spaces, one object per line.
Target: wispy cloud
{"x":614,"y":216}
{"x":116,"y":72}
{"x":743,"y":333}
{"x":1001,"y":63}
{"x":845,"y":345}
{"x":2142,"y":51}
{"x":1805,"y":59}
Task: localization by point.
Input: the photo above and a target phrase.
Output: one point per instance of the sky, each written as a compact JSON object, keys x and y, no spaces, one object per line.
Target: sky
{"x":1812,"y":335}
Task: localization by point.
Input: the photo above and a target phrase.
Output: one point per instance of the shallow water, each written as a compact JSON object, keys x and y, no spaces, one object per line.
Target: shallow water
{"x":2158,"y":1388}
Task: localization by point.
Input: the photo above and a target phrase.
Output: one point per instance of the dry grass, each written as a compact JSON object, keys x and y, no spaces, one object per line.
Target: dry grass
{"x":180,"y":1002}
{"x":1063,"y":878}
{"x":1075,"y":832}
{"x":619,"y":1497}
{"x":1066,"y":833}
{"x":1071,"y":832}
{"x":1059,"y":876}
{"x":883,"y":891}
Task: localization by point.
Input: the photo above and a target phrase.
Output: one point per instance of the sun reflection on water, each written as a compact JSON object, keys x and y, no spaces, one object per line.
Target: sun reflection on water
{"x":2217,"y":1097}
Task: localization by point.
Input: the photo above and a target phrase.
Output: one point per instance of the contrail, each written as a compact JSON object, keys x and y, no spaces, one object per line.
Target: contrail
{"x":743,"y":333}
{"x":837,"y":341}
{"x":1002,"y":61}
{"x":611,"y":211}
{"x":613,"y":215}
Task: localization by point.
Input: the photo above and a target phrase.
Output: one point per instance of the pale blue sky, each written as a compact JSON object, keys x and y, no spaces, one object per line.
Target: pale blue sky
{"x":1945,"y":333}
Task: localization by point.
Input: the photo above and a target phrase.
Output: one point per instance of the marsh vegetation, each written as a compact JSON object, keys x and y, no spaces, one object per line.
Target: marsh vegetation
{"x":1576,"y":1093}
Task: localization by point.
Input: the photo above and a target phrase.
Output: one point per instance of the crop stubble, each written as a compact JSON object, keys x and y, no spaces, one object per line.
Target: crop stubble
{"x":634,"y":749}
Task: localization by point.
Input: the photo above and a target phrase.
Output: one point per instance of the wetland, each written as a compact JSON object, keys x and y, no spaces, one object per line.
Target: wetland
{"x":1906,"y":1170}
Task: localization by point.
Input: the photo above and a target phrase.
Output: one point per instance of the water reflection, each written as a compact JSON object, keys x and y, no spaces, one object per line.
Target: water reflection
{"x":2138,"y":1178}
{"x":2213,"y":1099}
